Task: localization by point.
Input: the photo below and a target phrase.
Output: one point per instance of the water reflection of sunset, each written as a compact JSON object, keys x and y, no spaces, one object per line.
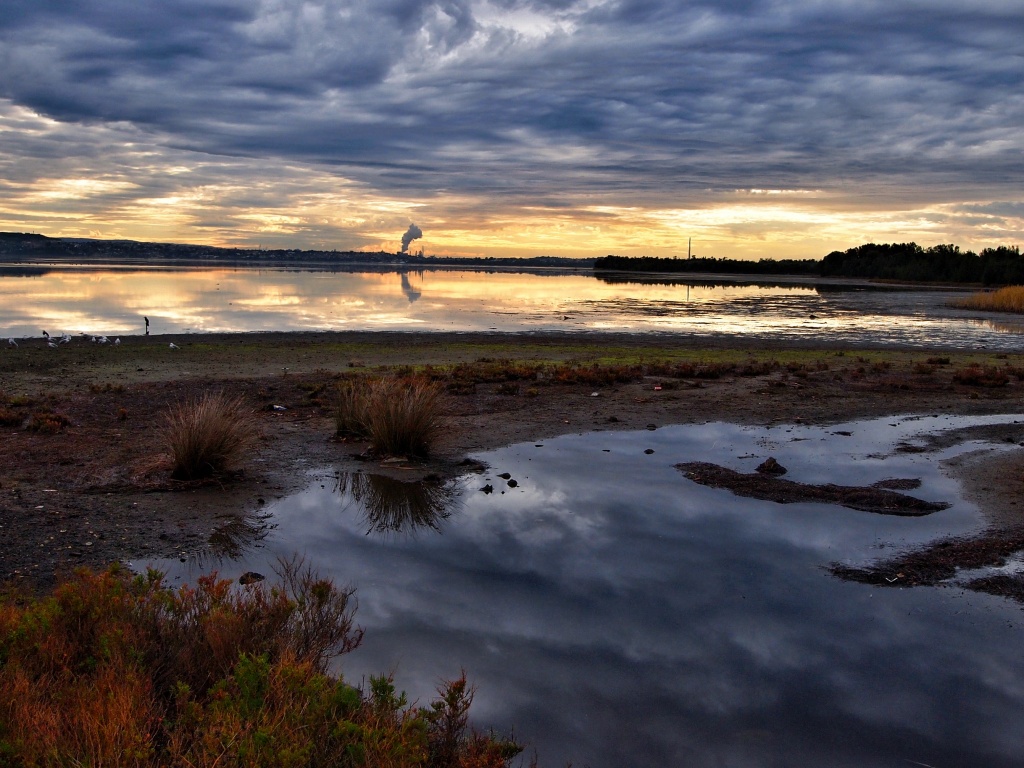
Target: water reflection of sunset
{"x":113,"y":301}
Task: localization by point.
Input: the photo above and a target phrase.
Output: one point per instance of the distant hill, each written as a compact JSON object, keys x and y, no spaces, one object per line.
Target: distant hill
{"x":29,"y":248}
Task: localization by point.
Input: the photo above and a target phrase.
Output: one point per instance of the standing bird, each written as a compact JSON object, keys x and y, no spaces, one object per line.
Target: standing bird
{"x":147,"y":324}
{"x":117,"y":341}
{"x":12,"y":343}
{"x":173,"y":345}
{"x":46,"y":335}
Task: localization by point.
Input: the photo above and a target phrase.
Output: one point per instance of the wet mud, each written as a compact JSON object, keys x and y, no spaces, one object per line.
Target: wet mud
{"x":949,"y":562}
{"x":770,"y":487}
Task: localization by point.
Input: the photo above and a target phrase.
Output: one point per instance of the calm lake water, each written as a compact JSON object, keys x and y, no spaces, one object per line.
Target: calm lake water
{"x":617,"y":614}
{"x":113,"y":301}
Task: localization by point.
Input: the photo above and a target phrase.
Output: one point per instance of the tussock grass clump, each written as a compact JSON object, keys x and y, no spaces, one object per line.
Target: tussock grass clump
{"x":47,"y":422}
{"x":10,"y":418}
{"x":208,"y":434}
{"x":1008,"y":299}
{"x":403,"y":416}
{"x":981,"y":376}
{"x":350,"y":408}
{"x":399,"y":416}
{"x":112,"y":669}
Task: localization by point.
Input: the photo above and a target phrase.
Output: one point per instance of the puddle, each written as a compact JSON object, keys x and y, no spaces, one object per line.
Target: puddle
{"x":615,"y":613}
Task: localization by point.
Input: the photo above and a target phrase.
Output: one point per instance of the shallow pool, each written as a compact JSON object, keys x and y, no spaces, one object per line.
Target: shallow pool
{"x":616,"y":614}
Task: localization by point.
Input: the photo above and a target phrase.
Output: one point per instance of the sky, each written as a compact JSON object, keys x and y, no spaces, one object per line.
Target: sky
{"x":758,"y":128}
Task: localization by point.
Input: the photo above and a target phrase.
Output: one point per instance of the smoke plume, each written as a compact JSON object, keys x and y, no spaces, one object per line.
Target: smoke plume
{"x":413,"y":233}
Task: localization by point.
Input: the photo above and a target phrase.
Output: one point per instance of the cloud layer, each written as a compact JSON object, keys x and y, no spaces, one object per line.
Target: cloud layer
{"x":559,"y":117}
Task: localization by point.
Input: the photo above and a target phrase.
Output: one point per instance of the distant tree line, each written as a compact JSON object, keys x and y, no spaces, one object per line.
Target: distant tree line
{"x":708,"y":265}
{"x":894,"y":261}
{"x":940,"y":263}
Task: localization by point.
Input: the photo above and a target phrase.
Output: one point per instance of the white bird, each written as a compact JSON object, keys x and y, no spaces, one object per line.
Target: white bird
{"x":12,"y":343}
{"x":173,"y":345}
{"x":51,"y":344}
{"x":117,"y":341}
{"x":64,"y":339}
{"x":104,"y":340}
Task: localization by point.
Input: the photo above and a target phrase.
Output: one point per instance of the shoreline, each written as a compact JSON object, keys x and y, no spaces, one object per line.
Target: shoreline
{"x":93,"y":493}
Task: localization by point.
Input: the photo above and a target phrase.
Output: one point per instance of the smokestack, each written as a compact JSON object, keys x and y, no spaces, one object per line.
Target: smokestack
{"x":412,"y":233}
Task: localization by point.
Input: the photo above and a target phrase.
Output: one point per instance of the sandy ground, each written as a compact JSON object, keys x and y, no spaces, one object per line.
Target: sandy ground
{"x":83,"y":471}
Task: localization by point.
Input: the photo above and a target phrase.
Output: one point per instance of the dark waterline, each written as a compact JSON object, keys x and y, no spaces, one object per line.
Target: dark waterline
{"x":617,"y":614}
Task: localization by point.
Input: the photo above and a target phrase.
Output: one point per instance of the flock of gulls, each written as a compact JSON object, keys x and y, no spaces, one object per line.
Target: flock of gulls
{"x":55,"y":341}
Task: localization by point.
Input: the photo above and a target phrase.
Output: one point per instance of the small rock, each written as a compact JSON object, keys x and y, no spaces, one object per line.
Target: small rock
{"x":488,"y":488}
{"x":250,"y":577}
{"x":613,"y":419}
{"x":278,"y":408}
{"x":649,"y":451}
{"x":512,"y":483}
{"x":771,"y":467}
{"x":504,"y":475}
{"x":595,"y":394}
{"x":652,"y":427}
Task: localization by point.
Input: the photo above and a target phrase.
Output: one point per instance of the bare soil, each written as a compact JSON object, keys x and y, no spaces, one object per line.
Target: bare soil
{"x":84,"y":479}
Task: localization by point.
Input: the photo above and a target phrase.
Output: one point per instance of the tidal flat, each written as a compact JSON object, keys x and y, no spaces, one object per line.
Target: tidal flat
{"x":84,"y":481}
{"x":81,"y":479}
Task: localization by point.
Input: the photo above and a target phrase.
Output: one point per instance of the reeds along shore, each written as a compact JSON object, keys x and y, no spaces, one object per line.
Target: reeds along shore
{"x":1008,"y":299}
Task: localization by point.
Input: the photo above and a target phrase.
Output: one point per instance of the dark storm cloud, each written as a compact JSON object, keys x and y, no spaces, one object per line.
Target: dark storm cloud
{"x":531,"y":97}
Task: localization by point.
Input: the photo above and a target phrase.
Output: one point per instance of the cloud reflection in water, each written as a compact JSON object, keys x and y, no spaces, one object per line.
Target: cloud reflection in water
{"x":618,"y":615}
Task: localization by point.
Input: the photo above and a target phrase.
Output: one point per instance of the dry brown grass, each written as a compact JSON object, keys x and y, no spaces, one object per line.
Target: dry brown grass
{"x":208,"y":434}
{"x":981,"y":376}
{"x":401,"y":416}
{"x":350,"y":408}
{"x":1008,"y":299}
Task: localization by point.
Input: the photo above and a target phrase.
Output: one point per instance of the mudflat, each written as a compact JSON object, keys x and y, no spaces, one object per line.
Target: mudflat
{"x":84,"y":477}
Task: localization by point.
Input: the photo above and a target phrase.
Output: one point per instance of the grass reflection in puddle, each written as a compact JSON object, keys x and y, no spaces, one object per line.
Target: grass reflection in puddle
{"x":389,"y":505}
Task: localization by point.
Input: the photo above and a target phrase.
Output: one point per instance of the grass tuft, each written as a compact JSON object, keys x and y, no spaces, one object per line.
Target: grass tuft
{"x":10,"y":418}
{"x":208,"y":434}
{"x":981,"y":376}
{"x":47,"y":422}
{"x":350,"y":408}
{"x":399,"y":416}
{"x":403,"y":416}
